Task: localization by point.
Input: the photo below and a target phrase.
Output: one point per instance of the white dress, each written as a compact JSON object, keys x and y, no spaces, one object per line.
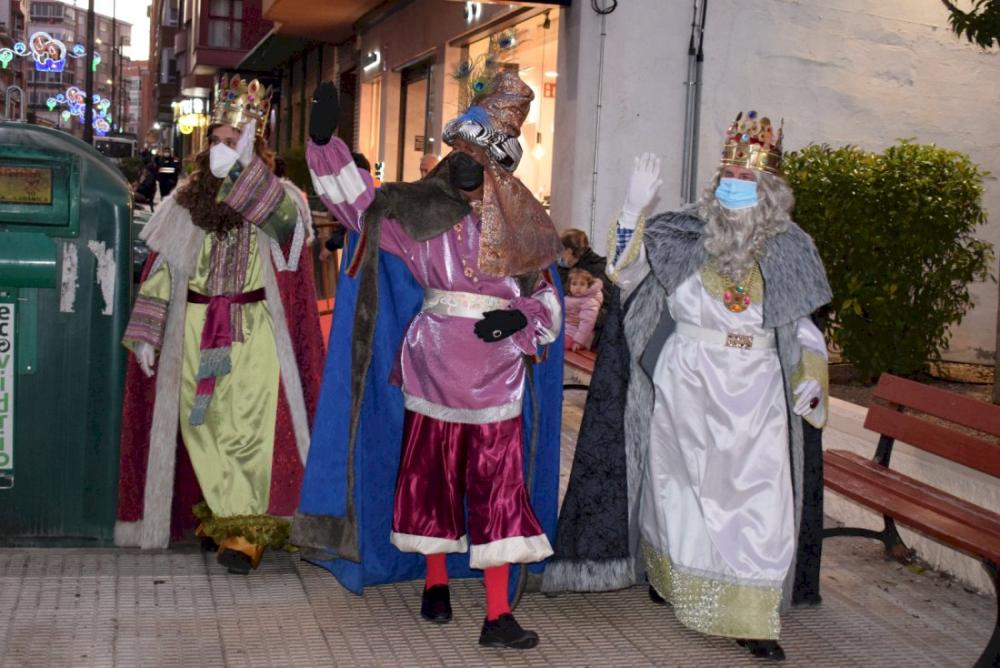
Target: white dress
{"x":716,"y":505}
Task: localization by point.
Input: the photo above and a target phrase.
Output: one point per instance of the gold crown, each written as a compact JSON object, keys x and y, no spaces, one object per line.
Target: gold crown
{"x":752,"y":142}
{"x":238,"y":102}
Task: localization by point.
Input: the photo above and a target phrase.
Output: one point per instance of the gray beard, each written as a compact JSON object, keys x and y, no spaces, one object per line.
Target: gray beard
{"x":734,"y":239}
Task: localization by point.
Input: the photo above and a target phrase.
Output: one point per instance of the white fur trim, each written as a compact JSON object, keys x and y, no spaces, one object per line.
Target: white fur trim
{"x":462,"y":415}
{"x":172,"y":234}
{"x":159,"y":492}
{"x":407,"y":542}
{"x":128,"y":534}
{"x":514,"y":550}
{"x":588,"y":575}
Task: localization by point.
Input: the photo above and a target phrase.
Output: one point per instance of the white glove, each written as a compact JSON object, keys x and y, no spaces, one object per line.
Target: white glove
{"x":221,"y":159}
{"x":806,"y":393}
{"x":244,"y":147}
{"x":642,"y":186}
{"x":145,"y":354}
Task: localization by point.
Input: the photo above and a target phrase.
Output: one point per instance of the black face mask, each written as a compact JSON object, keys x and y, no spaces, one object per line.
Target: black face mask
{"x":464,"y":173}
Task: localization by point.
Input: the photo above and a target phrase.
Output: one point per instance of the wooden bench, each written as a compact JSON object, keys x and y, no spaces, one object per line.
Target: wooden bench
{"x":581,"y":361}
{"x":947,"y":519}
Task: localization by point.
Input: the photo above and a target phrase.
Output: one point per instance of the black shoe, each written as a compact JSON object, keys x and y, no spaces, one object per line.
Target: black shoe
{"x":655,"y":597}
{"x":435,"y":604}
{"x":504,"y":631}
{"x":237,"y":562}
{"x":764,"y":649}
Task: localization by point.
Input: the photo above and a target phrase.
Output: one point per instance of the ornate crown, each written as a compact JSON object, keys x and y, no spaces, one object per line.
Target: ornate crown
{"x":752,"y":142}
{"x":238,"y":102}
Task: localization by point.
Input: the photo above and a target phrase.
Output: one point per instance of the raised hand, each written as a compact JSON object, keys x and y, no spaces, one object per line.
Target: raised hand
{"x":244,"y":147}
{"x":642,"y":184}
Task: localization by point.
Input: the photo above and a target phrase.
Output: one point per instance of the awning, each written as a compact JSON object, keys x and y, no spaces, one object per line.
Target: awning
{"x":273,"y":51}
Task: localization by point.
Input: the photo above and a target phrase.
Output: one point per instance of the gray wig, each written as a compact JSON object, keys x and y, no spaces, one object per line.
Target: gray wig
{"x":734,"y":238}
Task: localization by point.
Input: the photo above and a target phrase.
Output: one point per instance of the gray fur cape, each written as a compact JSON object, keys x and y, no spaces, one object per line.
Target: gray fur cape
{"x":598,"y":539}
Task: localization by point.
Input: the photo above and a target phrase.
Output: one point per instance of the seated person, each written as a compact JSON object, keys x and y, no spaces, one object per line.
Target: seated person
{"x":583,"y":303}
{"x":577,"y":253}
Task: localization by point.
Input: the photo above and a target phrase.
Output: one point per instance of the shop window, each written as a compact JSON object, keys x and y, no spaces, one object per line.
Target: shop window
{"x":534,"y":56}
{"x":225,"y":23}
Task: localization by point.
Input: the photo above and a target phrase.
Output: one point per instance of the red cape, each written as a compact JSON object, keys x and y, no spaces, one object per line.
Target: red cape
{"x":298,"y":294}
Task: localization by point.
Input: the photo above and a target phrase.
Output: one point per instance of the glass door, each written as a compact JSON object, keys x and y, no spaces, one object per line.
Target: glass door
{"x":413,"y":121}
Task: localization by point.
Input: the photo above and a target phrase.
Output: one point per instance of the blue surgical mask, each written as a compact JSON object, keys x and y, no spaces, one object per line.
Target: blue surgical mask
{"x":736,"y":193}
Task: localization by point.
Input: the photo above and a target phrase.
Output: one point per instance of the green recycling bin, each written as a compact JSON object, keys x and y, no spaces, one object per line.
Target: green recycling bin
{"x":64,"y":295}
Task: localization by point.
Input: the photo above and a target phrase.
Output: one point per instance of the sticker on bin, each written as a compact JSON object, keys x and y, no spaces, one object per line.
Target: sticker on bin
{"x":6,"y":395}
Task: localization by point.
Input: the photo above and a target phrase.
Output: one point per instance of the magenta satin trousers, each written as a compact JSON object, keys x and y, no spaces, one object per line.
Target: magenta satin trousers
{"x":446,"y":463}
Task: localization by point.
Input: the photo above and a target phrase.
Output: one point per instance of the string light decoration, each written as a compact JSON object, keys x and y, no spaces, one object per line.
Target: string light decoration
{"x":49,"y":53}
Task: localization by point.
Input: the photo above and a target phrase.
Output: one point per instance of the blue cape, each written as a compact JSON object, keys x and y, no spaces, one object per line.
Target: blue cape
{"x":381,"y":428}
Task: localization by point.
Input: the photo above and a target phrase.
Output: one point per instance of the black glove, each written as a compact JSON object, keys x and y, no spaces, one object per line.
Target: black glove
{"x":497,"y":325}
{"x":325,"y":113}
{"x":336,"y":240}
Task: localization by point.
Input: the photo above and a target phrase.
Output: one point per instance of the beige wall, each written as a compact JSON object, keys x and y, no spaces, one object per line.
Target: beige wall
{"x":838,"y":71}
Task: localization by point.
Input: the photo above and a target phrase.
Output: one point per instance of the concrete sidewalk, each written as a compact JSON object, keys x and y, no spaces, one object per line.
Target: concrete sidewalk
{"x":125,"y":608}
{"x":62,"y":607}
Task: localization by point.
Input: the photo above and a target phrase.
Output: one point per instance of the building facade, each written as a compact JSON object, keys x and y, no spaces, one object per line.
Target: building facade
{"x":13,"y":26}
{"x":397,"y":69}
{"x":136,"y":75}
{"x":52,"y":23}
{"x":164,"y":78}
{"x":838,"y":72}
{"x":612,"y":80}
{"x":212,"y":37}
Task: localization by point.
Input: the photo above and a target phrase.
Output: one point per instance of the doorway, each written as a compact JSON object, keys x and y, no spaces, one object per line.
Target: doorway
{"x":414,"y":120}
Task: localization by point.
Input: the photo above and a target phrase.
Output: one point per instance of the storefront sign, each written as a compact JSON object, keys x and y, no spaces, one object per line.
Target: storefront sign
{"x":190,"y":114}
{"x":25,"y":185}
{"x":371,"y":60}
{"x":6,"y":395}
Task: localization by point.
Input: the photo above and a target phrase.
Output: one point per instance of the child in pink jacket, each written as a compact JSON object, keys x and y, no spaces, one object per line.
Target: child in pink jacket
{"x":583,"y":302}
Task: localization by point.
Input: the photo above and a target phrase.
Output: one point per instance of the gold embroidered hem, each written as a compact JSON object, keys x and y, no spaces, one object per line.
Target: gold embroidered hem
{"x":260,"y":530}
{"x":716,"y":284}
{"x":713,"y":606}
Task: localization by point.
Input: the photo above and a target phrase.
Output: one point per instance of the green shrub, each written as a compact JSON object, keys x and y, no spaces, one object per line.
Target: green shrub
{"x":895,"y":230}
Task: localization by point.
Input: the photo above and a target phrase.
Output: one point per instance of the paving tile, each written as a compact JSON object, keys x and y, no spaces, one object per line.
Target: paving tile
{"x":126,"y":608}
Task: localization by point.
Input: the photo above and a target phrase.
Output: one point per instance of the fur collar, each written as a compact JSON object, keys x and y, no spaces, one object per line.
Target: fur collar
{"x":794,"y":278}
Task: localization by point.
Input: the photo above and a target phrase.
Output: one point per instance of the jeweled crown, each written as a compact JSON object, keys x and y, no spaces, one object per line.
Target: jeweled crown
{"x":753,"y":142}
{"x":238,"y":102}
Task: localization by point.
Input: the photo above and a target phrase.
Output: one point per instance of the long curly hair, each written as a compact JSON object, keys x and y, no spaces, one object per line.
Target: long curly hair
{"x":198,"y":193}
{"x":735,"y":239}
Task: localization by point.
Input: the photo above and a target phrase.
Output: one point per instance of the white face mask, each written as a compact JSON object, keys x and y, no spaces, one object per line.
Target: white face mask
{"x":221,"y":159}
